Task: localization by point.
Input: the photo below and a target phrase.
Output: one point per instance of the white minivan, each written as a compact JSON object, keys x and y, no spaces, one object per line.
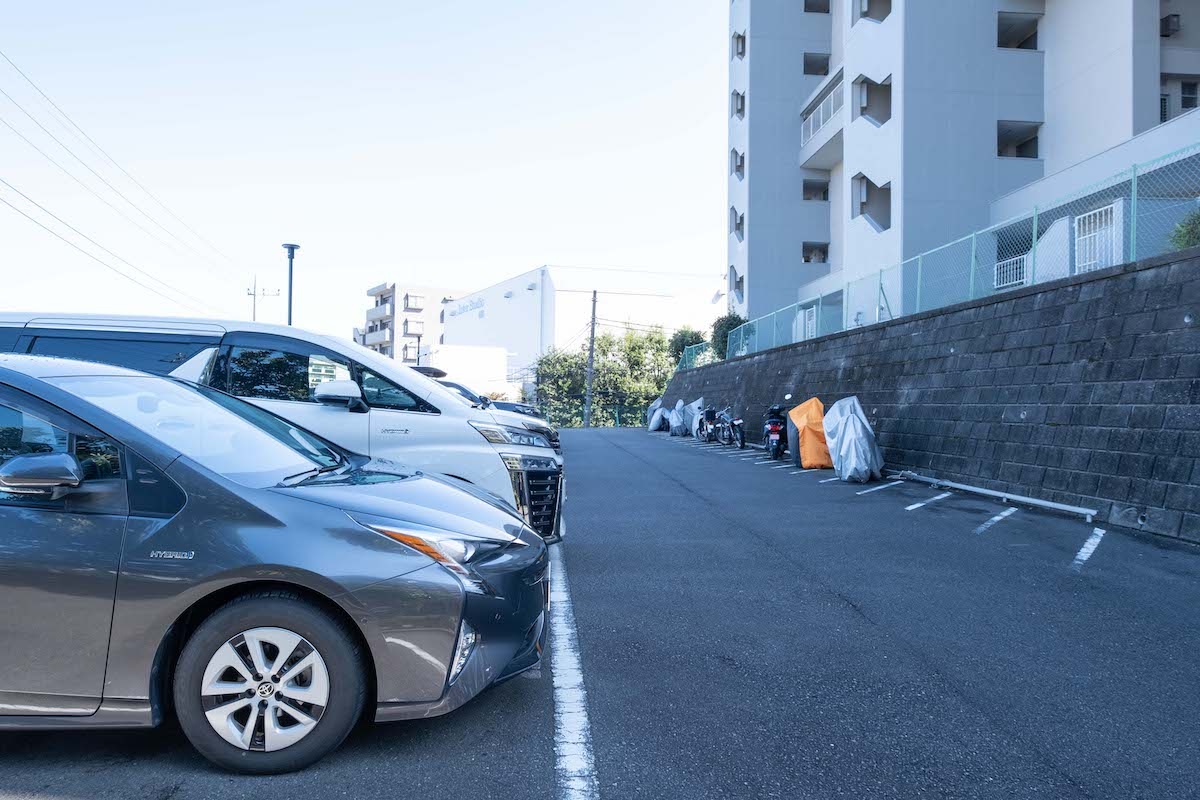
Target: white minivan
{"x":346,"y":393}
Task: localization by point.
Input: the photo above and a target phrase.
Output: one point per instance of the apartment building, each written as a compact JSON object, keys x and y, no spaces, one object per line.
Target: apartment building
{"x":865,"y":132}
{"x":403,"y":320}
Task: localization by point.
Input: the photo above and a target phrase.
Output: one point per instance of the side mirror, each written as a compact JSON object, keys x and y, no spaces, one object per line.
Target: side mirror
{"x":50,"y":474}
{"x":342,"y":393}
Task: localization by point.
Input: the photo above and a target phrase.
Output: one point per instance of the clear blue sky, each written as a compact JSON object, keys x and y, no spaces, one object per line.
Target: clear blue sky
{"x":449,"y":142}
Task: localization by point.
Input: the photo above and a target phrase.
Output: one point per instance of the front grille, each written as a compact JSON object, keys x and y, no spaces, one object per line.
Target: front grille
{"x":539,"y":493}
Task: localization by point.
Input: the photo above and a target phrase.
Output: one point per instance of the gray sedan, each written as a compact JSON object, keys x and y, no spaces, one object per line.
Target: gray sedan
{"x":165,"y":547}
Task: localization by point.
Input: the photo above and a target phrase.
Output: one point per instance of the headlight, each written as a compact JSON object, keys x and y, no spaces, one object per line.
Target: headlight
{"x":519,"y":463}
{"x":454,"y":551}
{"x":504,"y":434}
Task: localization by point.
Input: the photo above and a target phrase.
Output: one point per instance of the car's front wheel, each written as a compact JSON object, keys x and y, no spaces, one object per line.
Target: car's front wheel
{"x":269,"y":683}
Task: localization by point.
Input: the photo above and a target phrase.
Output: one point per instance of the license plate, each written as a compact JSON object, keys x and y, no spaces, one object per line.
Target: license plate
{"x":774,"y":437}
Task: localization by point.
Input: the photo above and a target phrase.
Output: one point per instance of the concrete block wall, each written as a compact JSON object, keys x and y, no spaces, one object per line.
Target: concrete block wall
{"x":1083,"y":391}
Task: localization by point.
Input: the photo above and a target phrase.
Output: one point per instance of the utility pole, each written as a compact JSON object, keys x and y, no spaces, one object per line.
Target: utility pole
{"x":587,"y":398}
{"x":255,"y":294}
{"x":418,"y":349}
{"x":291,"y":248}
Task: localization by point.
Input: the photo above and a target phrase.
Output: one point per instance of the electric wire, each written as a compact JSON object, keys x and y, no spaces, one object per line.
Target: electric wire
{"x":97,"y":148}
{"x":97,"y":260}
{"x":131,"y":265}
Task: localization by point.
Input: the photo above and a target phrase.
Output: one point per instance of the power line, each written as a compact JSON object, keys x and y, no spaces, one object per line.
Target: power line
{"x":100,"y":177}
{"x":96,"y":194}
{"x":97,"y":260}
{"x":133,"y":266}
{"x":635,"y":271}
{"x":109,"y":158}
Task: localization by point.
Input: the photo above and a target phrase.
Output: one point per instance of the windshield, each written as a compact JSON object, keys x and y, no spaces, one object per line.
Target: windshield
{"x":462,"y":391}
{"x":228,"y":436}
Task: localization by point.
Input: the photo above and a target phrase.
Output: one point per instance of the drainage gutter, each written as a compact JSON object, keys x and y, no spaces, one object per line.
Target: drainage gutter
{"x":1087,"y":513}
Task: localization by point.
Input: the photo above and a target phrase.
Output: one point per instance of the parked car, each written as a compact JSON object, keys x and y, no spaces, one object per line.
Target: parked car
{"x":168,"y":545}
{"x":368,"y":404}
{"x":538,"y":423}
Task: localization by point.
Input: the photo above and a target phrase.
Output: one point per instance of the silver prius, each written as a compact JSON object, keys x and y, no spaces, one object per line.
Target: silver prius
{"x":166,"y":547}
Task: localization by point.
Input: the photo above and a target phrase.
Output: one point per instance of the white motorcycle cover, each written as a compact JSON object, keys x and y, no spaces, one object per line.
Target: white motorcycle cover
{"x":691,"y":415}
{"x":678,"y":428}
{"x":655,"y":406}
{"x":658,"y":420}
{"x":856,"y":456}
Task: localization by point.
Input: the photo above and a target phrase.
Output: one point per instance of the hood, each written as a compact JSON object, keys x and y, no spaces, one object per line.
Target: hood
{"x":432,"y":501}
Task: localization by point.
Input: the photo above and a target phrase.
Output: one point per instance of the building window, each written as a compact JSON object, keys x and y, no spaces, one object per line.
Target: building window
{"x":816,"y":63}
{"x":738,"y":45}
{"x":873,"y":101}
{"x":737,"y":163}
{"x":737,"y":105}
{"x":414,"y":302}
{"x":815,"y":252}
{"x":1016,"y":31}
{"x":1164,"y":107}
{"x":1188,"y":94}
{"x":737,"y":223}
{"x":1169,"y":25}
{"x":816,"y":190}
{"x":816,"y":6}
{"x":737,"y":285}
{"x":875,"y":10}
{"x":872,"y":203}
{"x":1017,"y":139}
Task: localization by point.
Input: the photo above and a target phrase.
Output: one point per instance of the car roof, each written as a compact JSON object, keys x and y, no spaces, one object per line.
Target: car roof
{"x":52,"y":367}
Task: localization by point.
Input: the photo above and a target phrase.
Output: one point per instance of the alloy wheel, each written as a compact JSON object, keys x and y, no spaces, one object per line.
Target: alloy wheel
{"x":265,"y":689}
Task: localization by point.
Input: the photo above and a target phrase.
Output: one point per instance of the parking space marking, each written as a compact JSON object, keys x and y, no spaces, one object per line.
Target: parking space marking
{"x":784,"y":466}
{"x":877,"y":488}
{"x":915,"y":506}
{"x":1088,"y":548}
{"x":827,"y":480}
{"x":573,"y":762}
{"x":766,"y":461}
{"x":1006,"y":513}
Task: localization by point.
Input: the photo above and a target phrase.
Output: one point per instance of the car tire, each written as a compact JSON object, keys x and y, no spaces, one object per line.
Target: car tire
{"x":271,"y":622}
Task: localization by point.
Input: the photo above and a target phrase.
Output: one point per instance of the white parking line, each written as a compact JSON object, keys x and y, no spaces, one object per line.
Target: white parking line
{"x":573,"y":762}
{"x":802,"y":471}
{"x":1088,"y":548}
{"x":784,"y":466}
{"x":827,"y":480}
{"x":766,"y":461}
{"x":1006,"y":513}
{"x":915,"y":506}
{"x":877,"y":488}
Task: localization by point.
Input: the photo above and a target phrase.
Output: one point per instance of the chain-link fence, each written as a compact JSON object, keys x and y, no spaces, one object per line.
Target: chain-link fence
{"x":696,"y":355}
{"x":1147,"y":210}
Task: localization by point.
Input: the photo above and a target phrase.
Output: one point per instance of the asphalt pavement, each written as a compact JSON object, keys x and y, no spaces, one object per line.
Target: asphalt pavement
{"x":748,"y":630}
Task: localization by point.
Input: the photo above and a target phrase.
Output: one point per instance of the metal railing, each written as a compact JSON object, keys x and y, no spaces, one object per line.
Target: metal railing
{"x":819,"y":116}
{"x":696,"y":355}
{"x":1147,"y":210}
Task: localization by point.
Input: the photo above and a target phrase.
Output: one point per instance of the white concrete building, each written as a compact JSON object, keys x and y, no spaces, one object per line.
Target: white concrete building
{"x":402,"y":317}
{"x":865,"y":132}
{"x":516,"y":314}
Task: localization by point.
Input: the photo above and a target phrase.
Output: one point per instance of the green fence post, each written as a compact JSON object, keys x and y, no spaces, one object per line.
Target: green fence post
{"x":879,"y":296}
{"x":817,"y":332}
{"x":1033,"y":250}
{"x":971,"y":288}
{"x":617,"y":411}
{"x":1133,"y":214}
{"x":919,"y":260}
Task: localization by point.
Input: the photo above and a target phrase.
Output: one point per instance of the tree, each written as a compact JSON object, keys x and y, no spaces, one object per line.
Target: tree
{"x":721,"y":328}
{"x":1187,"y":232}
{"x":631,"y":371}
{"x":682,"y":339}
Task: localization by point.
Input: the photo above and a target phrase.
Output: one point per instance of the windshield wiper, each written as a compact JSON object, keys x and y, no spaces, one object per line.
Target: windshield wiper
{"x":300,"y":477}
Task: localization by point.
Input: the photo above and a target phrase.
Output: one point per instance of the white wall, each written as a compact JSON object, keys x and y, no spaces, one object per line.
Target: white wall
{"x":516,"y":314}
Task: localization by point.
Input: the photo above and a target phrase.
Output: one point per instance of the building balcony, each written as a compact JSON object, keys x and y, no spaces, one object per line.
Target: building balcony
{"x":375,"y":291}
{"x":375,"y":338}
{"x":414,"y":302}
{"x":822,"y":125}
{"x":414,"y":327}
{"x":381,"y":311}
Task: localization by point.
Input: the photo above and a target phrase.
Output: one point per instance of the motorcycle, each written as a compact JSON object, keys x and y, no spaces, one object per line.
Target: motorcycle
{"x":775,"y":430}
{"x":706,"y":429}
{"x":730,"y":429}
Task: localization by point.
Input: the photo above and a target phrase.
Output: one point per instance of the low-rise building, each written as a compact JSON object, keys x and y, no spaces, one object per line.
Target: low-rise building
{"x":402,"y":318}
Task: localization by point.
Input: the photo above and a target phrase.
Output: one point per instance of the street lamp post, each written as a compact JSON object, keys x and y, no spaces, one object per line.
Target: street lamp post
{"x":418,"y":349}
{"x":291,"y":250}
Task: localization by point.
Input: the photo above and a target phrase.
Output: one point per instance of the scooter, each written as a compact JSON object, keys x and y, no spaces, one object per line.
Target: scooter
{"x":706,"y":429}
{"x":775,"y":430}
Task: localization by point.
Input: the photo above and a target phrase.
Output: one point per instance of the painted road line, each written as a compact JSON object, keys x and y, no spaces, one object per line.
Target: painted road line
{"x":827,"y":480}
{"x":573,"y":762}
{"x":1005,"y":513}
{"x":1088,"y":548}
{"x":784,"y":466}
{"x":915,"y":506}
{"x":877,"y":488}
{"x":766,"y":461}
